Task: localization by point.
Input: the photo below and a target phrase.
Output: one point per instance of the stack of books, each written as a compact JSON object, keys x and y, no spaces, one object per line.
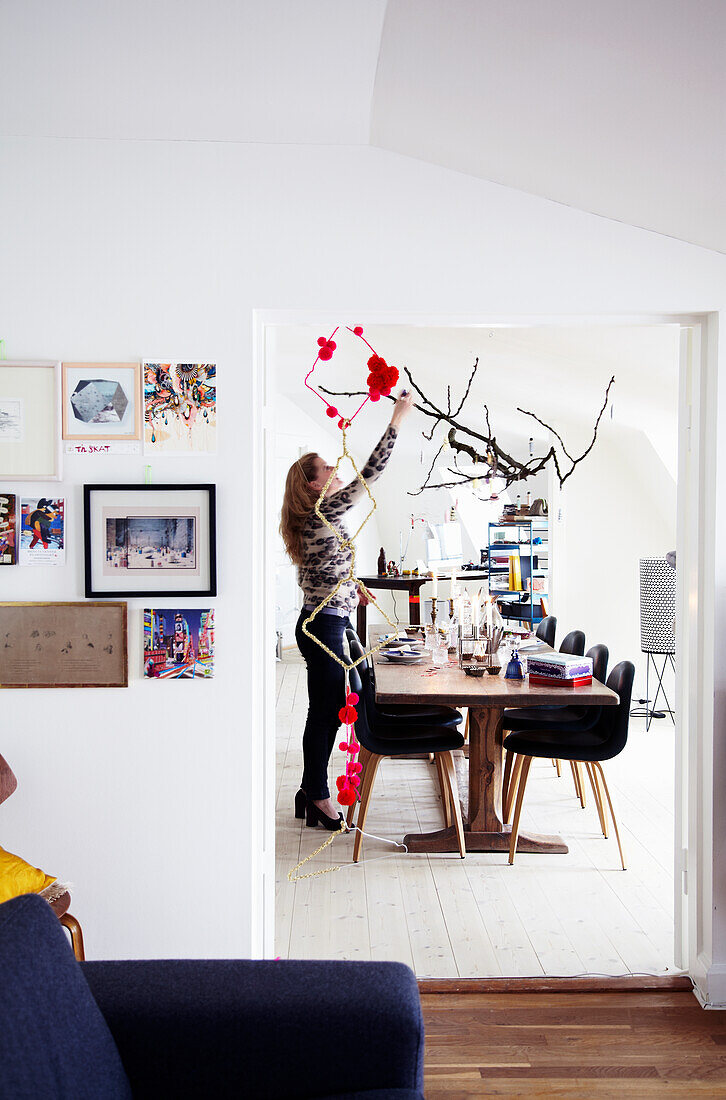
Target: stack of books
{"x":559,"y":670}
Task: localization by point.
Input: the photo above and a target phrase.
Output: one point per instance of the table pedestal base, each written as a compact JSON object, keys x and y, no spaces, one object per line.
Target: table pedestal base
{"x":444,"y":840}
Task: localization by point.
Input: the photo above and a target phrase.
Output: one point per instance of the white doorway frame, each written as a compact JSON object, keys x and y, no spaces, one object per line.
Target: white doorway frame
{"x":694,"y":619}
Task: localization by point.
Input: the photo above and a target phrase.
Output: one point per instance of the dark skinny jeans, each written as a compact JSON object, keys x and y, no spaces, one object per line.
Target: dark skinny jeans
{"x":326,"y":695}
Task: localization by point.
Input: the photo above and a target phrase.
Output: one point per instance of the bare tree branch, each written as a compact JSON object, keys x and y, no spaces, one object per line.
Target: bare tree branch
{"x":482,"y":447}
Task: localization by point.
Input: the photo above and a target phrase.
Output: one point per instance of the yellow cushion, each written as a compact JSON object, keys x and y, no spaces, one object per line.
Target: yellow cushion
{"x":18,"y":877}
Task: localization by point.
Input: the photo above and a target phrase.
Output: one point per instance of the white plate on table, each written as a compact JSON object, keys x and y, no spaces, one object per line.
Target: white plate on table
{"x":403,"y":654}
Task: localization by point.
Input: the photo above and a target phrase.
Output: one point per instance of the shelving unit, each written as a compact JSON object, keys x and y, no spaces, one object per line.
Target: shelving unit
{"x":523,"y":604}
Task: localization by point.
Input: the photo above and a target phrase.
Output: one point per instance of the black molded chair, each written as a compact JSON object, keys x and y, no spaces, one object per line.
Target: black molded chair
{"x":399,"y":738}
{"x":528,"y":718}
{"x":588,"y":746}
{"x":546,"y":630}
{"x":574,"y":643}
{"x":423,"y":713}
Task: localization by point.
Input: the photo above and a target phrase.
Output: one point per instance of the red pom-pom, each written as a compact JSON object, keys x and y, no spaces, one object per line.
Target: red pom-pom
{"x":352,"y":698}
{"x":354,"y":769}
{"x":332,"y":345}
{"x":355,"y":780}
{"x":348,"y":715}
{"x":322,"y":341}
{"x":341,"y":782}
{"x":358,"y":330}
{"x":331,"y":411}
{"x":343,"y":746}
{"x":325,"y":353}
{"x":341,"y":423}
{"x":346,"y":796}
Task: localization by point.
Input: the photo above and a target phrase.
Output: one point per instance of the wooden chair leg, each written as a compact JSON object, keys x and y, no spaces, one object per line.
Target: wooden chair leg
{"x":597,"y":795}
{"x":506,"y":775}
{"x":525,"y":766}
{"x":511,"y":788}
{"x":445,"y":801}
{"x":581,"y":782}
{"x":366,"y":788}
{"x":448,"y":769}
{"x":363,"y":756}
{"x":577,"y":778}
{"x":557,"y":766}
{"x":601,"y":778}
{"x":69,"y":921}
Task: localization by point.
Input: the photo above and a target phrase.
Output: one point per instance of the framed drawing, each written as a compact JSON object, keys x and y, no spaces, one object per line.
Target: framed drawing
{"x":63,"y":645}
{"x":180,"y":408}
{"x":150,"y":540}
{"x":101,"y":401}
{"x":30,"y":443}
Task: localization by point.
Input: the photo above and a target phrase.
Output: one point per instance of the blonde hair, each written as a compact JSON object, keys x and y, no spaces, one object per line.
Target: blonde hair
{"x":297,"y":504}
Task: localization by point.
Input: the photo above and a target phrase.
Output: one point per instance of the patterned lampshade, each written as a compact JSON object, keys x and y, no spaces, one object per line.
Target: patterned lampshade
{"x":657,"y":606}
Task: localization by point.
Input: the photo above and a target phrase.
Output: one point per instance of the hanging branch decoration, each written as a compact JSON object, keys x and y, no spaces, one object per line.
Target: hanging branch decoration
{"x":482,"y":447}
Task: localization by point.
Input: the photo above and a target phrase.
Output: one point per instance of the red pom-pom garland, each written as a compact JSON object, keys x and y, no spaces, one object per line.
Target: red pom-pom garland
{"x":381,"y":378}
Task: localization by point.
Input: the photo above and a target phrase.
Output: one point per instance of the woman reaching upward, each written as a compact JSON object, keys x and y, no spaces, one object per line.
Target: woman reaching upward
{"x":321,"y":563}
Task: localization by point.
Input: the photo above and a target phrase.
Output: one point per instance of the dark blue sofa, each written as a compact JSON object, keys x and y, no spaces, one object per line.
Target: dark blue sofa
{"x":212,"y":1029}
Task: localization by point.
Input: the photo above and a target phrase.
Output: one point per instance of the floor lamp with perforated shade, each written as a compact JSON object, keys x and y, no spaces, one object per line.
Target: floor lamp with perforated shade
{"x":657,"y":626}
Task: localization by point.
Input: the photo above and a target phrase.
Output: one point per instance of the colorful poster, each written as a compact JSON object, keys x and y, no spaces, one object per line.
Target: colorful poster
{"x":8,"y":546}
{"x":180,"y":408}
{"x":178,"y":645}
{"x":42,"y":532}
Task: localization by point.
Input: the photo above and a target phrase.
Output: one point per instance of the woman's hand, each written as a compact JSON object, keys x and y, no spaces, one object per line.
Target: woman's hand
{"x":402,"y":408}
{"x":362,"y":598}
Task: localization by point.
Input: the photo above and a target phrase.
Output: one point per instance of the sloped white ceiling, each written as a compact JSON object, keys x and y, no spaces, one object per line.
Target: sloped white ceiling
{"x":616,"y":107}
{"x":297,"y":71}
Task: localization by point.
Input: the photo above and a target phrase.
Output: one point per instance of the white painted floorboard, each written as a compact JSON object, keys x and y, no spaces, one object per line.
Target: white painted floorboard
{"x":478,"y":917}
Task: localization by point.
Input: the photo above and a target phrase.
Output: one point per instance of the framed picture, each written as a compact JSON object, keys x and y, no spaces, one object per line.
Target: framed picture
{"x":180,"y":408}
{"x":150,"y":540}
{"x":178,"y":643}
{"x":101,"y":401}
{"x":30,"y":443}
{"x":63,"y":645}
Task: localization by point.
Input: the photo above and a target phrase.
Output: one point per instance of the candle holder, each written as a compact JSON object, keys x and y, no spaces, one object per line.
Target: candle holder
{"x":433,"y":602}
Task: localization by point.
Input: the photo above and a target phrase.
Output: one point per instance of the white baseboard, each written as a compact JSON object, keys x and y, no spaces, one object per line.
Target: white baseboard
{"x":709,"y":983}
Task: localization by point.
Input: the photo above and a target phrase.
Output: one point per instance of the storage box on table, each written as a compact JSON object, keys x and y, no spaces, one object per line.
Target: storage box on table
{"x":560,"y":669}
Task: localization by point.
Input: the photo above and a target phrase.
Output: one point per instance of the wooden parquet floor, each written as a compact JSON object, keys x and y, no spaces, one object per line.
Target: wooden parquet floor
{"x":573,"y":1045}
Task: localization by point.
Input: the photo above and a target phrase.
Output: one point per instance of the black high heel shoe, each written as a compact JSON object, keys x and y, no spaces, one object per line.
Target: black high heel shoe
{"x":313,"y":815}
{"x":300,"y":803}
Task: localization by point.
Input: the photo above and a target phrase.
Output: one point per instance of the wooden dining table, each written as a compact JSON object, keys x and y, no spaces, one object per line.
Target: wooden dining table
{"x":486,"y":698}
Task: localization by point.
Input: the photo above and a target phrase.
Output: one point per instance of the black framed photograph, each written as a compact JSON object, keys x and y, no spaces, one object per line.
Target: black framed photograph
{"x":150,"y":540}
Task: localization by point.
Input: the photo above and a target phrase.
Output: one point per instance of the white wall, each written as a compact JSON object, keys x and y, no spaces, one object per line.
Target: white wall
{"x":114,"y":250}
{"x":618,"y":507}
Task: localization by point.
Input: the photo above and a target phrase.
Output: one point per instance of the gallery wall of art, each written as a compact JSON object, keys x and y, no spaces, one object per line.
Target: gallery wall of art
{"x":120,"y":252}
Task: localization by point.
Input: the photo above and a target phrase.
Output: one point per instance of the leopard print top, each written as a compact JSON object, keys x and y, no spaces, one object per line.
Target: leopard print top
{"x":324,"y":562}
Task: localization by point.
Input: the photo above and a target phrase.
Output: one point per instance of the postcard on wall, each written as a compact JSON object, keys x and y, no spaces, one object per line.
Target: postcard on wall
{"x":180,"y":408}
{"x":101,"y":401}
{"x":11,"y":420}
{"x":8,"y":543}
{"x":42,"y":531}
{"x":63,"y":645}
{"x":178,"y":645}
